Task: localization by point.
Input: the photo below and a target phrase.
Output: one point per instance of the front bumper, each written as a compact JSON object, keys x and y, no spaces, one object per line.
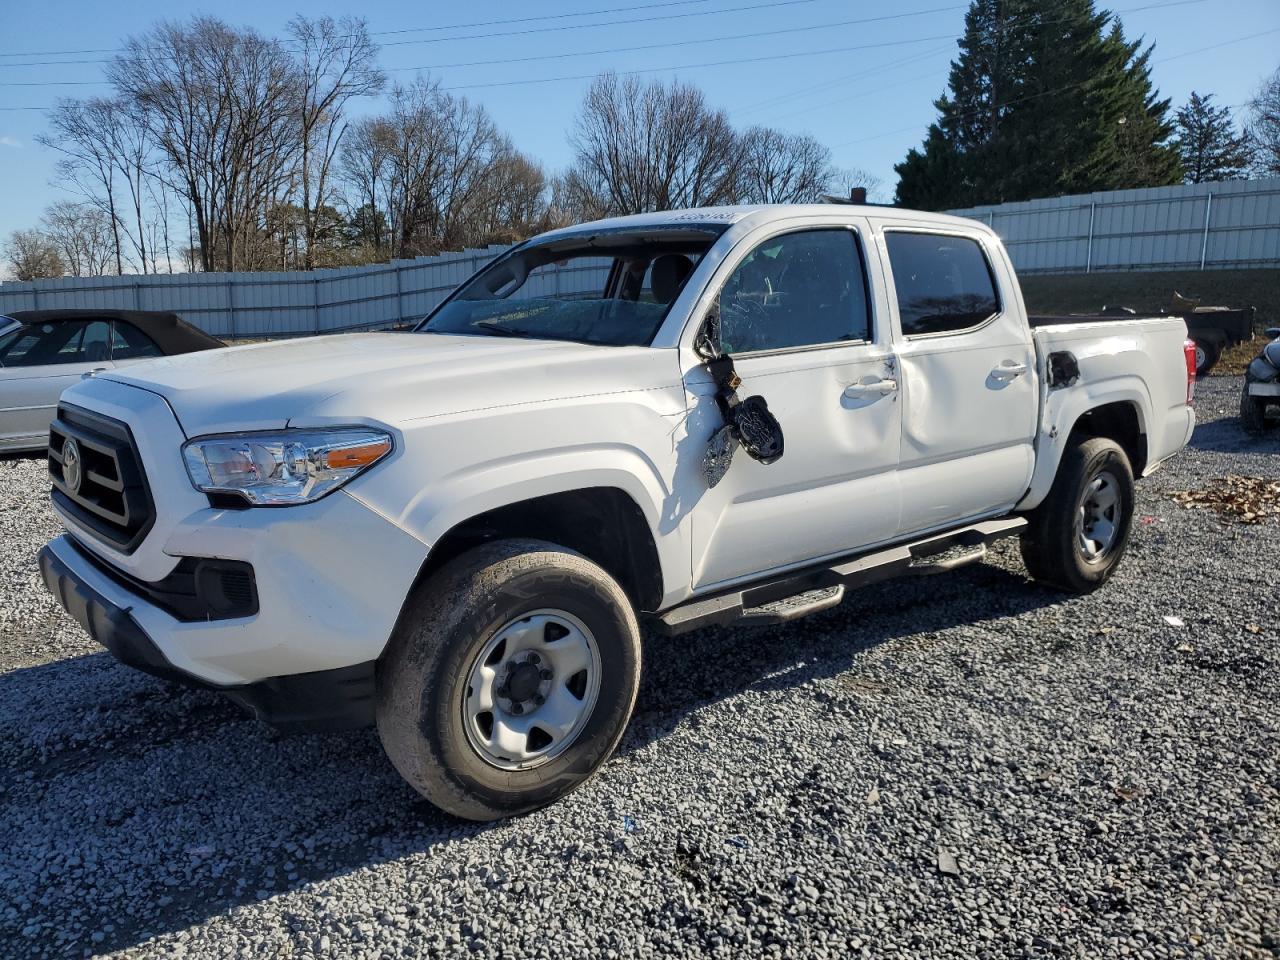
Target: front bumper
{"x":1269,"y":390}
{"x":322,"y":700}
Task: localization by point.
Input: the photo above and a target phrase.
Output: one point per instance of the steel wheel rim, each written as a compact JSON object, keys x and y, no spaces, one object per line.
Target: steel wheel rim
{"x":1099,"y":516}
{"x":531,"y":690}
{"x":1201,"y":357}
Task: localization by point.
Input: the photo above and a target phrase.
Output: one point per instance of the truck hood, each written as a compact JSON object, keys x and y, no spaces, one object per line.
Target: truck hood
{"x":387,"y":377}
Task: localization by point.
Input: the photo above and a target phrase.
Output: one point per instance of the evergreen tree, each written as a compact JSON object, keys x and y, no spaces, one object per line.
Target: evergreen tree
{"x":1208,"y":142}
{"x":1046,"y":97}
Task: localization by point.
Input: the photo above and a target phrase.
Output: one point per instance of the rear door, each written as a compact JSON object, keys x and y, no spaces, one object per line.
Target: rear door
{"x":969,"y":390}
{"x":38,"y":362}
{"x":808,"y":335}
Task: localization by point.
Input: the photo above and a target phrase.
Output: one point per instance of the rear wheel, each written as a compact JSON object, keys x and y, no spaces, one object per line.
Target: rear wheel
{"x":1076,"y":537}
{"x":510,"y":679}
{"x":1207,"y":354}
{"x":1253,"y":412}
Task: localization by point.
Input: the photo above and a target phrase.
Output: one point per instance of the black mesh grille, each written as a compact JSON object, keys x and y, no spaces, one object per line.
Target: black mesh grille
{"x":108,"y":494}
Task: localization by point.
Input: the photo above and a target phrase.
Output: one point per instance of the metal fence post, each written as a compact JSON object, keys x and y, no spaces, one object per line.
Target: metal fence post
{"x":231,"y":308}
{"x":315,"y":298}
{"x":1204,"y":242}
{"x":1088,"y":253}
{"x":399,"y":293}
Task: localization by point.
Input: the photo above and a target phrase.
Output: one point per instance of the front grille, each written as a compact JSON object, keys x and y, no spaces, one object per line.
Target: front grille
{"x":111,"y":498}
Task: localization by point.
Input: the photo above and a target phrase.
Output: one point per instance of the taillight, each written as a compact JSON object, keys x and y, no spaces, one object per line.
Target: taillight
{"x":1189,"y":351}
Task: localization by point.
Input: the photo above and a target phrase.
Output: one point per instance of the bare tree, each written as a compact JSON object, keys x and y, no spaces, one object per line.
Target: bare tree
{"x":82,"y":235}
{"x":336,"y":60}
{"x":641,"y":147}
{"x":1264,"y":127}
{"x":779,"y":167}
{"x":222,"y":106}
{"x":32,"y":256}
{"x":435,"y":155}
{"x":845,"y":180}
{"x":364,"y":165}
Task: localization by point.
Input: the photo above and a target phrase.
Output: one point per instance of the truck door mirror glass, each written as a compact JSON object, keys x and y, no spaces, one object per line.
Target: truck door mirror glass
{"x":1273,"y":332}
{"x":707,"y":343}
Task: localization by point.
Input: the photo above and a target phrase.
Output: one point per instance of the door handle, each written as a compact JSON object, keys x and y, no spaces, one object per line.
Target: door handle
{"x":1009,"y":370}
{"x":877,"y":388}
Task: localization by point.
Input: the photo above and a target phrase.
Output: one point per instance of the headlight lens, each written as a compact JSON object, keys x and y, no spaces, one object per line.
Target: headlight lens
{"x":283,"y":467}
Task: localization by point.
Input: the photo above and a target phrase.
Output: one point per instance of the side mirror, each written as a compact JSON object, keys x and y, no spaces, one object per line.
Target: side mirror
{"x":707,"y":343}
{"x":1273,"y":332}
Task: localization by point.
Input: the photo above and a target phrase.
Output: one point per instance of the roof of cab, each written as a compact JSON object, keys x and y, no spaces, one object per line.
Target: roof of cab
{"x":723,"y":217}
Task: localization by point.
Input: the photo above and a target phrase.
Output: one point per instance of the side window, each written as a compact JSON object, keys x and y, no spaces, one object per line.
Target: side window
{"x":944,"y":283}
{"x":17,"y":344}
{"x":95,"y":344}
{"x":77,"y":341}
{"x":796,"y":290}
{"x":130,"y":343}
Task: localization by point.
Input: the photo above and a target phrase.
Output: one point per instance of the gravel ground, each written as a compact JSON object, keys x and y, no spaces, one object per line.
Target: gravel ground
{"x":968,"y":765}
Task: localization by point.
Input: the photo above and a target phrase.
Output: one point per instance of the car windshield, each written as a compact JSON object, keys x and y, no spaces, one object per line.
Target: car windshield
{"x":608,"y":289}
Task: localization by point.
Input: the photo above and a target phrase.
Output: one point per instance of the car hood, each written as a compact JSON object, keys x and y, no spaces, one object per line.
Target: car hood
{"x":386,"y":377}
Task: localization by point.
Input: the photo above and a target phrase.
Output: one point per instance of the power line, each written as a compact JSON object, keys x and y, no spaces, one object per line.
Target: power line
{"x":1011,"y":25}
{"x":1065,"y":89}
{"x":684,"y":43}
{"x":698,"y":66}
{"x":475,"y":36}
{"x":579,"y":53}
{"x":588,"y":76}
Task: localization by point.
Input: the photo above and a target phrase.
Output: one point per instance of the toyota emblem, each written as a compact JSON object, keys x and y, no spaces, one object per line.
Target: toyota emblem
{"x":72,"y":465}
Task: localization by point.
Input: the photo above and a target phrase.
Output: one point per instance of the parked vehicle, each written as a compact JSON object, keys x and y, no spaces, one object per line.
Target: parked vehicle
{"x":42,"y":352}
{"x":456,"y":532}
{"x":1214,"y":329}
{"x":1261,"y":393}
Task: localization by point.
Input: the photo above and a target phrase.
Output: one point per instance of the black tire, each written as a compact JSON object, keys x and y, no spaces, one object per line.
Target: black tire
{"x":1253,"y":412}
{"x":1206,"y":356}
{"x":1052,"y":546}
{"x":422,"y":680}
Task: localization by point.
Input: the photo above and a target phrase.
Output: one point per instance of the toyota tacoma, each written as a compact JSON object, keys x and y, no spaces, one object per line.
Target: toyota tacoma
{"x":684,"y":419}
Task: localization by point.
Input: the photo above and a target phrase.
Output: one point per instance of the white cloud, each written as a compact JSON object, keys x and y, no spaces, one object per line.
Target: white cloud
{"x":10,"y":142}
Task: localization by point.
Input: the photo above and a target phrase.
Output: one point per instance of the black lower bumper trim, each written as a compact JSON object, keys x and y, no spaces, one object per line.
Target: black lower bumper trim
{"x":339,"y":699}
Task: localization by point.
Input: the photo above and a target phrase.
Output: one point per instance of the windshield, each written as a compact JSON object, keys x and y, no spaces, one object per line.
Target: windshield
{"x":612,"y":290}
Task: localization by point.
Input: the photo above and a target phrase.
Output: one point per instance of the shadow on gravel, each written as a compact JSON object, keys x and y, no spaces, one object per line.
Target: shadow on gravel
{"x":684,"y":674}
{"x":1227,"y":436}
{"x":131,"y":807}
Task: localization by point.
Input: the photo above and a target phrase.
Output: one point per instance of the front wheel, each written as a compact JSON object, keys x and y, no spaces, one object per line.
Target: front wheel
{"x":1076,"y":537}
{"x":509,"y":680}
{"x":1253,"y":412}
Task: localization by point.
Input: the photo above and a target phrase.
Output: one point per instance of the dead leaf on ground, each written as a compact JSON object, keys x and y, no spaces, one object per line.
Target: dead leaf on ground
{"x":1243,"y":499}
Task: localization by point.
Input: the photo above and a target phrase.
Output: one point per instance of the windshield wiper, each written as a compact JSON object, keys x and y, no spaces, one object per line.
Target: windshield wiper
{"x":505,"y":331}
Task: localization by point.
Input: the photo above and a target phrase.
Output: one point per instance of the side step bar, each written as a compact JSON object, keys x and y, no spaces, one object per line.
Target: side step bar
{"x":813,"y":589}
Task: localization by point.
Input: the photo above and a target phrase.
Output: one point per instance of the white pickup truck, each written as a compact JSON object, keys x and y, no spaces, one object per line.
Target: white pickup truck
{"x":690,"y":418}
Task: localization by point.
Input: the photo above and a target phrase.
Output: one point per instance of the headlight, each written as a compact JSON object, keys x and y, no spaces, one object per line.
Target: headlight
{"x":284,"y":467}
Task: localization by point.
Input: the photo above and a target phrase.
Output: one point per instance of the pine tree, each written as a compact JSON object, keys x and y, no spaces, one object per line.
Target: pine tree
{"x":1047,"y":97}
{"x":1208,"y":142}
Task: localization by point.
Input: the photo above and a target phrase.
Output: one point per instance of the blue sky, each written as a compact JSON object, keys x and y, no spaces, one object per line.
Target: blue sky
{"x":865,"y":89}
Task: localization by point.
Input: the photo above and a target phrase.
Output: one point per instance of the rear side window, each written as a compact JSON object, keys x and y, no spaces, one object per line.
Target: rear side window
{"x":130,"y":343}
{"x":944,"y":283}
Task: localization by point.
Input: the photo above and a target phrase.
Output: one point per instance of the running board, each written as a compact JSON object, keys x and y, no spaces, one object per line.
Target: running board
{"x":811,"y":590}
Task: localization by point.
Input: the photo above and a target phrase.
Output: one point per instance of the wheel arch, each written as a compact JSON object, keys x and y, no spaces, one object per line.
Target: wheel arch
{"x":603,"y":523}
{"x":1120,"y":414}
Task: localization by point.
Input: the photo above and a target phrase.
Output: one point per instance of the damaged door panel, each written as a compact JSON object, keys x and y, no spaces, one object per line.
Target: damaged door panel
{"x":792,"y":332}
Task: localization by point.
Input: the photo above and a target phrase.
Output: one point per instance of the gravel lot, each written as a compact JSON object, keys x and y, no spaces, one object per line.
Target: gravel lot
{"x":1106,"y":782}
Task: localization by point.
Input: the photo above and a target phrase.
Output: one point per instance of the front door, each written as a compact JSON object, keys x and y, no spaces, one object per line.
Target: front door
{"x":798,"y":319}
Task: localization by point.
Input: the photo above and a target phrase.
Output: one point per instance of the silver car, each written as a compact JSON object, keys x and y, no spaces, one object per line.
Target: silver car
{"x":42,"y":352}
